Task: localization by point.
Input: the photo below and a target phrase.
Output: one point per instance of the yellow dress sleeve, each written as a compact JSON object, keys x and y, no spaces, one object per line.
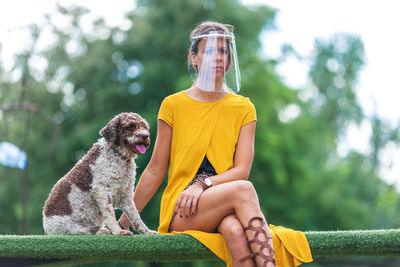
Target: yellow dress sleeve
{"x":166,"y":111}
{"x":251,"y":114}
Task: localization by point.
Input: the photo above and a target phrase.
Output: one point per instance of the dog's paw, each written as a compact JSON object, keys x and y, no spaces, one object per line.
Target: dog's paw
{"x":103,"y":231}
{"x":151,"y":232}
{"x":125,"y":232}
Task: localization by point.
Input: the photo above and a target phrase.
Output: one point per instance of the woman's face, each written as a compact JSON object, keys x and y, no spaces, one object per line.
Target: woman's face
{"x":214,"y":56}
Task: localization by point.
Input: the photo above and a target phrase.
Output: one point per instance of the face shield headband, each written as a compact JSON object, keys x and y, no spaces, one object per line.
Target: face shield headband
{"x":216,"y":63}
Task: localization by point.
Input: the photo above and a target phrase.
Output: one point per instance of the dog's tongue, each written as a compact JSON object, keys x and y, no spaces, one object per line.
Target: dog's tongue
{"x":141,"y":149}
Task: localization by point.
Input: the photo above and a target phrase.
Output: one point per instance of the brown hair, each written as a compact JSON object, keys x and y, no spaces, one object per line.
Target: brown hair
{"x":203,"y":28}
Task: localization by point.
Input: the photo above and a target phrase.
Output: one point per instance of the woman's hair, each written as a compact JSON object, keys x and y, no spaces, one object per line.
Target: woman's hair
{"x":203,"y":28}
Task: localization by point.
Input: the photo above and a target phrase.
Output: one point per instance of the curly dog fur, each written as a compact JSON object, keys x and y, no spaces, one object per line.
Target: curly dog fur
{"x":83,"y":201}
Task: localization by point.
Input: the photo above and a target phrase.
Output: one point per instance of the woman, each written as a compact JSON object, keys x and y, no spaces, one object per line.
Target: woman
{"x":210,"y":126}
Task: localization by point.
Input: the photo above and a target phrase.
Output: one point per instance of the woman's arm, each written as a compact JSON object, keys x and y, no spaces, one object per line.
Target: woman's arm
{"x":154,"y":173}
{"x":244,"y":154}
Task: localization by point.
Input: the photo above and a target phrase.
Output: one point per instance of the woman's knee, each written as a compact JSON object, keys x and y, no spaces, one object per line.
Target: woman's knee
{"x":244,"y":191}
{"x":232,"y":229}
{"x":235,"y":237}
{"x":236,"y":232}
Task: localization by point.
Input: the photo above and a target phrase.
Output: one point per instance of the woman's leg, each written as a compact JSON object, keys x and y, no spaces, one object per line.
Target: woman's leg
{"x":215,"y":203}
{"x":232,"y":230}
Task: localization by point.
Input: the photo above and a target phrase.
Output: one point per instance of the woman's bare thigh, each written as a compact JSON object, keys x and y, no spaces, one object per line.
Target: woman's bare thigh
{"x":214,"y":204}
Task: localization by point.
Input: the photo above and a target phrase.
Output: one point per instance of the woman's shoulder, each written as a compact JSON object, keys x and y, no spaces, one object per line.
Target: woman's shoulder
{"x":241,"y":100}
{"x":242,"y":105}
{"x":175,"y":97}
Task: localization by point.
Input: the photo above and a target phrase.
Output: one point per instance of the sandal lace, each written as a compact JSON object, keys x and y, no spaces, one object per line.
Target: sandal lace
{"x":259,"y":230}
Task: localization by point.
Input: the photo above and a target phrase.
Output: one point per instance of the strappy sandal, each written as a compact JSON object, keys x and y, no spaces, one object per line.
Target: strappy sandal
{"x":259,"y":230}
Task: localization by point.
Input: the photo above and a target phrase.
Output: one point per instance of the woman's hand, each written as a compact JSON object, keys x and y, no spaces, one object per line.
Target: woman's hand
{"x":186,"y":204}
{"x":124,"y":222}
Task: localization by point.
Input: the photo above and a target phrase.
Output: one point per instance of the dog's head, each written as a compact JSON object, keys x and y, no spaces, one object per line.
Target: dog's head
{"x":129,"y":131}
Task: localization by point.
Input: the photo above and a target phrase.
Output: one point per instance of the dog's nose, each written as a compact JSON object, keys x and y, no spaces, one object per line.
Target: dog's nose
{"x":143,"y":136}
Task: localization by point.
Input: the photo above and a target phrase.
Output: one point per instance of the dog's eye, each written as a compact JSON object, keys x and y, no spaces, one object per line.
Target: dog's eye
{"x":131,"y":127}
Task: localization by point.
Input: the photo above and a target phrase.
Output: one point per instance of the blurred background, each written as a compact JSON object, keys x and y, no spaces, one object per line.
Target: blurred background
{"x":323,"y":159}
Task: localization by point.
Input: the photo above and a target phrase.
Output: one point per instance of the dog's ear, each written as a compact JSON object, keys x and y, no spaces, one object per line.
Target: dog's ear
{"x":110,"y":131}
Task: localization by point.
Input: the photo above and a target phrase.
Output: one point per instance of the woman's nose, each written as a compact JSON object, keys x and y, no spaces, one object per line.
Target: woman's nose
{"x":219,"y":56}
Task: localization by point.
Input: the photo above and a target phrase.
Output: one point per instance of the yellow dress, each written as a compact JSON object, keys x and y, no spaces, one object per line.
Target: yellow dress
{"x":212,"y":129}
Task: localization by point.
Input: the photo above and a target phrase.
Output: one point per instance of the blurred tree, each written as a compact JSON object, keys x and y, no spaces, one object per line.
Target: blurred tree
{"x":317,"y":187}
{"x":22,"y":120}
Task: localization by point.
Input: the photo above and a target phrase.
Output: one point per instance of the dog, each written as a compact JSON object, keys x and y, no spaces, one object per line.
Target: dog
{"x":83,"y":201}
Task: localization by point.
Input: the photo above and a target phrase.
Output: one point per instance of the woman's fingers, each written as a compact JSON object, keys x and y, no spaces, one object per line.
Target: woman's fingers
{"x":186,"y":205}
{"x":182,"y":199}
{"x":199,"y":190}
{"x":181,"y":210}
{"x":178,"y":203}
{"x":194,"y":205}
{"x":185,"y":202}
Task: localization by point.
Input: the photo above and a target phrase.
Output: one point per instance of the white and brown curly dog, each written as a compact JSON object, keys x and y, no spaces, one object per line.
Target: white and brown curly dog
{"x":83,"y":201}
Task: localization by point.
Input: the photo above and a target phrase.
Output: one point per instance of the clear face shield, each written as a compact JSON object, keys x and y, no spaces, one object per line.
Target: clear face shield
{"x":216,"y":63}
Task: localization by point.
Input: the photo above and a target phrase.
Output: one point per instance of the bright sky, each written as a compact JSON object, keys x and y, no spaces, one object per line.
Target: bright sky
{"x":298,"y":23}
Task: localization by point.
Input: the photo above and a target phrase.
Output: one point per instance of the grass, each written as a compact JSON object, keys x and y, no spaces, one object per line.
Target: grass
{"x":41,"y":249}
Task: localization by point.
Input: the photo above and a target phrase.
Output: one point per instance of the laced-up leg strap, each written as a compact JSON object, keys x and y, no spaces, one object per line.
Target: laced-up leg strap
{"x":263,"y":242}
